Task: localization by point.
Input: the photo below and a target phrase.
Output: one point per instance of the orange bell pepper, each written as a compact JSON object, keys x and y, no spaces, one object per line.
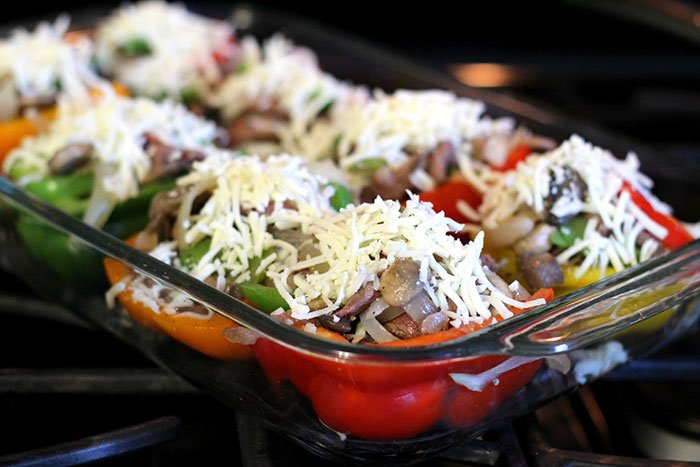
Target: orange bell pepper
{"x":204,"y":335}
{"x":13,"y":131}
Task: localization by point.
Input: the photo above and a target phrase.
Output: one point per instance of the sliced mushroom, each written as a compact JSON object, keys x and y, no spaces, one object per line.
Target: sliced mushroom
{"x":359,"y":302}
{"x":400,"y":282}
{"x":164,"y":207}
{"x":541,"y":270}
{"x":440,"y":160}
{"x":70,"y":158}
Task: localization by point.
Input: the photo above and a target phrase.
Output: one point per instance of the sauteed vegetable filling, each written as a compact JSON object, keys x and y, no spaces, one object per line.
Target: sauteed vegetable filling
{"x":374,"y":273}
{"x":280,"y":100}
{"x":36,"y":68}
{"x":576,"y":213}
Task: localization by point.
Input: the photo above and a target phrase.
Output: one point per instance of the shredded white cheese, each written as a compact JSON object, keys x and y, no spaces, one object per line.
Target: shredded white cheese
{"x":41,"y":64}
{"x":248,"y":197}
{"x":361,"y":242}
{"x":116,"y":128}
{"x":283,"y":78}
{"x":184,"y":48}
{"x":394,"y":127}
{"x":610,"y":241}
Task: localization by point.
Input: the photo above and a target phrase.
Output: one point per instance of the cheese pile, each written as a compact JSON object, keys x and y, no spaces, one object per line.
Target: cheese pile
{"x":39,"y":64}
{"x":184,"y":48}
{"x":281,"y":77}
{"x":115,"y":127}
{"x":393,"y":127}
{"x":248,"y":195}
{"x":361,"y":242}
{"x":603,"y":176}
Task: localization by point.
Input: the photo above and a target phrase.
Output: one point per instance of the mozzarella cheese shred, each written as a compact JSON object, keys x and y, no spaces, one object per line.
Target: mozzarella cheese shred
{"x":610,"y":236}
{"x":358,"y":244}
{"x":37,"y":65}
{"x":182,"y":49}
{"x":284,"y":79}
{"x":115,"y":128}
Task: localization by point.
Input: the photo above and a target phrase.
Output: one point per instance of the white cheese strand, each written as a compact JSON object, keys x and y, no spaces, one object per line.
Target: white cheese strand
{"x":603,"y":176}
{"x":183,"y":48}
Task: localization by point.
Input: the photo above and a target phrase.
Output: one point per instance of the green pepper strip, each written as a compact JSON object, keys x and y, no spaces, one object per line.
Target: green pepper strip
{"x":189,"y":257}
{"x":265,"y":299}
{"x":368,"y":165}
{"x":341,"y":197}
{"x":135,"y":47}
{"x":567,"y":233}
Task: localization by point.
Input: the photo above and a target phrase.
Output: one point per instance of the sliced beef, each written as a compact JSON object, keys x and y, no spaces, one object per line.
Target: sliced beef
{"x":162,"y":213}
{"x":342,"y":326}
{"x":566,"y":184}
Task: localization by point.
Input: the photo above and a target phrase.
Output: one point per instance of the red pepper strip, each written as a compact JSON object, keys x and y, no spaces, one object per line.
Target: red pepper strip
{"x":222,"y":55}
{"x":677,"y":235}
{"x":393,"y":401}
{"x":518,"y":154}
{"x":203,"y":335}
{"x":445,"y":197}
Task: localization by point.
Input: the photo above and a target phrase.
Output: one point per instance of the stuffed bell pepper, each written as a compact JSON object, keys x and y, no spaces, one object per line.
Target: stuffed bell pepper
{"x":103,"y":163}
{"x":159,"y":50}
{"x":36,"y":68}
{"x":570,"y":216}
{"x":280,"y":100}
{"x":417,"y":140}
{"x":225,"y":223}
{"x":378,"y":274}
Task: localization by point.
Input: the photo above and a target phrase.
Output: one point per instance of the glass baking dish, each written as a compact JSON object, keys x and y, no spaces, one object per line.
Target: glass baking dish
{"x":454,"y":390}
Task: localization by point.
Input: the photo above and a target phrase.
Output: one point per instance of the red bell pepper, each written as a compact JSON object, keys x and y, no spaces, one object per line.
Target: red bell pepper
{"x":445,"y":197}
{"x":518,"y":154}
{"x":677,"y":235}
{"x":393,"y":401}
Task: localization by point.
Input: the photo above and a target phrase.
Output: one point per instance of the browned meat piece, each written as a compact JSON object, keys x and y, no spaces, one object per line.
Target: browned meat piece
{"x":168,"y":160}
{"x":400,"y":282}
{"x":359,"y":302}
{"x":440,"y":160}
{"x":70,"y":158}
{"x":342,"y":326}
{"x":541,"y":271}
{"x":403,"y":327}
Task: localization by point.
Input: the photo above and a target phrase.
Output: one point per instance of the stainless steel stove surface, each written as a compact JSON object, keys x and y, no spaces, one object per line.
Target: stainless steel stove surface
{"x":71,"y":394}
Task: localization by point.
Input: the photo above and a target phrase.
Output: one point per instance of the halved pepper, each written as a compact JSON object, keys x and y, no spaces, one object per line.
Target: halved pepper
{"x":13,"y":131}
{"x":205,"y":335}
{"x":66,"y":257}
{"x":394,"y":401}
